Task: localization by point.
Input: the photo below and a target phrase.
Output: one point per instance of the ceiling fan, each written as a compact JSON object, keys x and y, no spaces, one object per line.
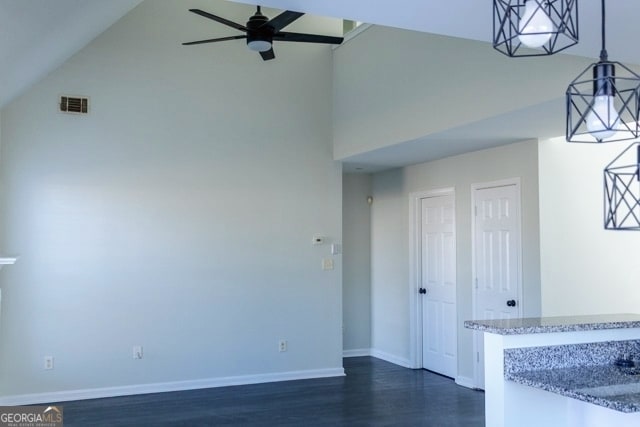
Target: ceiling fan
{"x":261,"y":32}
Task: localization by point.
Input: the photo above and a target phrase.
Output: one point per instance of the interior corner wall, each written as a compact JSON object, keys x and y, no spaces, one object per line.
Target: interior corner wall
{"x":356,"y":270}
{"x":177,"y":215}
{"x":390,"y":239}
{"x":585,"y":269}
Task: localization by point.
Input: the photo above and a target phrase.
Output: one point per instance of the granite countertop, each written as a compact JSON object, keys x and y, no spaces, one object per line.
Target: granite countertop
{"x":608,"y":386}
{"x":541,"y":325}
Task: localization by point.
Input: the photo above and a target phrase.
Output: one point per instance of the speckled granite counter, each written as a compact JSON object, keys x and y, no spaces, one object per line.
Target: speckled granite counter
{"x":560,"y":371}
{"x":586,"y":372}
{"x":544,"y":325}
{"x":606,"y":386}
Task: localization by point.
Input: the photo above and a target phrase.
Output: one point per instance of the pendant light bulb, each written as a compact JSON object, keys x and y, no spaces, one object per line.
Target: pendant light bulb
{"x":535,"y":26}
{"x":603,"y":118}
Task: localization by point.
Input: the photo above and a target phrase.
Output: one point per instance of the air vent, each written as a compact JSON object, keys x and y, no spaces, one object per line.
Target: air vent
{"x":74,"y":104}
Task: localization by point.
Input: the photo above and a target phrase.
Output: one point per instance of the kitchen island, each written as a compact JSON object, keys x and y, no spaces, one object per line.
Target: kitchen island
{"x":562,"y":371}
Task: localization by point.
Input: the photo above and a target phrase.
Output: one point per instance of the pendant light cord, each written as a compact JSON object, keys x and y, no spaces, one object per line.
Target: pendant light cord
{"x":603,"y":53}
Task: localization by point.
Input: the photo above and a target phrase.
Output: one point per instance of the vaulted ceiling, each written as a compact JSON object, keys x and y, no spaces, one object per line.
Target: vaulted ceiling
{"x":472,"y":19}
{"x":37,"y":36}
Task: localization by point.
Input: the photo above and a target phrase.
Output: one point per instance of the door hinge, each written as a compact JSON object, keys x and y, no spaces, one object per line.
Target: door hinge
{"x":478,"y":356}
{"x":476,"y":283}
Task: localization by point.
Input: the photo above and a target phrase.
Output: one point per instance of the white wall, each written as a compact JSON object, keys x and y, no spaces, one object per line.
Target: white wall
{"x":178,"y":215}
{"x":356,"y":270}
{"x":394,"y":85}
{"x":585,"y":269}
{"x":390,"y":239}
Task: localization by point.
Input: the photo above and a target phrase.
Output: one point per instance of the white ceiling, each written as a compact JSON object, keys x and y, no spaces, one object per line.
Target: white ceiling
{"x":37,"y":36}
{"x":472,"y":19}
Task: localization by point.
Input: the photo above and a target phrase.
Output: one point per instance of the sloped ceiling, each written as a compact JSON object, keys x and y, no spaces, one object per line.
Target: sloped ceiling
{"x":472,"y":19}
{"x":37,"y":36}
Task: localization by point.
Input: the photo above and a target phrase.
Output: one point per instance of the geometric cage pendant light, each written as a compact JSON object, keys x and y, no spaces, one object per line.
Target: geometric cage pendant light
{"x":534,"y":27}
{"x":603,"y":101}
{"x":622,"y":191}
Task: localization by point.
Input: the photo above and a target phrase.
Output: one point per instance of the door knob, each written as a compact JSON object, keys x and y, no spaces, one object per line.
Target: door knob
{"x":422,"y":291}
{"x":511,"y":303}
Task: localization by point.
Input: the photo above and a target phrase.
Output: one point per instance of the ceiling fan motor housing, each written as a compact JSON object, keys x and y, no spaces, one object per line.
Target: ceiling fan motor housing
{"x":259,"y":35}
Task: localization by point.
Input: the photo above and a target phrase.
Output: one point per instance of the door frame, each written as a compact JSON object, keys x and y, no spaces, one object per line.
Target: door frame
{"x":480,"y":186}
{"x":415,"y":303}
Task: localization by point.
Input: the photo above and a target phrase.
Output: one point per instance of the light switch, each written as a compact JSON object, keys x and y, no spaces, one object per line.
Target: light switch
{"x":336,"y":249}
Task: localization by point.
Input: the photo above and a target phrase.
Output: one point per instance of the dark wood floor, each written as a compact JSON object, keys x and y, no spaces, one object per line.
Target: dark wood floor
{"x":374,"y":393}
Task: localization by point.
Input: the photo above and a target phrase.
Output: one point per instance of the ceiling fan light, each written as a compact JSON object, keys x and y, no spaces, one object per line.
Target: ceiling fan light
{"x":259,"y":45}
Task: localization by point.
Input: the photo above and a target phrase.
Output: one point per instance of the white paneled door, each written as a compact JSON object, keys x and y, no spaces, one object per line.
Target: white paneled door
{"x":497,"y":250}
{"x":438,"y":284}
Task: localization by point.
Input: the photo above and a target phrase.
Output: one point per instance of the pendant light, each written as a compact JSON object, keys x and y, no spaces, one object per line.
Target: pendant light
{"x":622,"y":190}
{"x":603,"y":101}
{"x":534,"y":27}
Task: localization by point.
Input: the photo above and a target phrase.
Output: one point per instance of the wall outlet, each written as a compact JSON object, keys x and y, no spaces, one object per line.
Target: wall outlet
{"x":282,"y":346}
{"x":327,"y":263}
{"x":48,"y":362}
{"x":137,"y":352}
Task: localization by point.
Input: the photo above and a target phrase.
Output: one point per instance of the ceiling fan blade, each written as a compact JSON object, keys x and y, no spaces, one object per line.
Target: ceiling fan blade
{"x":306,"y":38}
{"x":284,"y":19}
{"x":268,"y":54}
{"x":219,"y":19}
{"x":221,"y":39}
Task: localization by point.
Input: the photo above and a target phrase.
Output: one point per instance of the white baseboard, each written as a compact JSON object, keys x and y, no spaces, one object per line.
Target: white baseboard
{"x":400,"y":361}
{"x":359,"y":352}
{"x":405,"y":363}
{"x":465,"y":382}
{"x":95,"y":393}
